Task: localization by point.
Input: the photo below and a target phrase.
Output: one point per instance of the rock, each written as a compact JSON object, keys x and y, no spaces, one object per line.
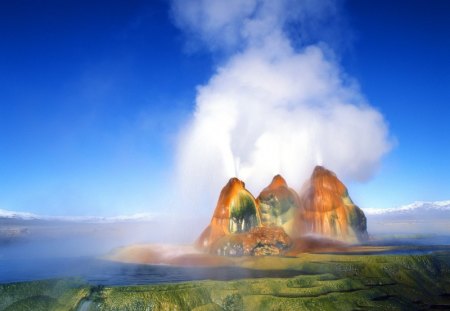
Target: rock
{"x":259,"y":241}
{"x":278,"y":204}
{"x":236,"y":212}
{"x":328,"y":211}
{"x":242,"y":225}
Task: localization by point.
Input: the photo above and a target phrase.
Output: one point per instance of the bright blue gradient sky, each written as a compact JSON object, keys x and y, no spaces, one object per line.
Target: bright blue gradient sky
{"x":94,"y":94}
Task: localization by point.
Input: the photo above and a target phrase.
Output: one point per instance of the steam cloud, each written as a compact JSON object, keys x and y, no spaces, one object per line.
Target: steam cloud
{"x":274,"y":106}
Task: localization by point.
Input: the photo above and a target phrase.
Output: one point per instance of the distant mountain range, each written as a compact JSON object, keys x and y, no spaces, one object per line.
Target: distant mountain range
{"x":417,"y":217}
{"x":5,"y":214}
{"x":418,"y":208}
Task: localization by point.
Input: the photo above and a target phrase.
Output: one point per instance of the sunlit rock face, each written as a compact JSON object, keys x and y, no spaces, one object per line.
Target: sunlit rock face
{"x":279,"y":220}
{"x":236,"y":212}
{"x":278,"y":204}
{"x":327,"y":210}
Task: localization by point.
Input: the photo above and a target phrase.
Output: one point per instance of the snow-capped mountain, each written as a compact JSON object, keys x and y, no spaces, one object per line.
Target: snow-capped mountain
{"x":418,"y":207}
{"x":17,"y":215}
{"x":417,"y":217}
{"x":5,"y":214}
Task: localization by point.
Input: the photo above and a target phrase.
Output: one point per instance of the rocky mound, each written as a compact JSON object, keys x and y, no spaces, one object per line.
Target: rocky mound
{"x":236,"y":212}
{"x":328,"y":211}
{"x":242,"y":225}
{"x":278,"y":204}
{"x":259,"y":241}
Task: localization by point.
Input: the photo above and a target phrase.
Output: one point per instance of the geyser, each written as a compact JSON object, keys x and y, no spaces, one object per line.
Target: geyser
{"x":271,"y":106}
{"x":280,"y":219}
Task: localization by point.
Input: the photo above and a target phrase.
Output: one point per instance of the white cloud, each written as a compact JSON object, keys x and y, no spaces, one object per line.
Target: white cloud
{"x":215,"y":21}
{"x":271,"y":108}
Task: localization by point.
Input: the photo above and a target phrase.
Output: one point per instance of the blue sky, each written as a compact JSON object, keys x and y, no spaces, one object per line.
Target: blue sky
{"x":94,"y":94}
{"x":400,"y":57}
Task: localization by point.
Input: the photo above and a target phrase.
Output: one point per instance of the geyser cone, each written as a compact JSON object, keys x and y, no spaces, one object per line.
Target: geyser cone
{"x":278,"y":204}
{"x":236,"y":211}
{"x":328,"y":210}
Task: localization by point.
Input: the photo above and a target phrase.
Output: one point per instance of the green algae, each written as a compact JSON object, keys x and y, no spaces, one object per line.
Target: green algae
{"x":63,"y":294}
{"x":325,"y":282}
{"x":243,"y":215}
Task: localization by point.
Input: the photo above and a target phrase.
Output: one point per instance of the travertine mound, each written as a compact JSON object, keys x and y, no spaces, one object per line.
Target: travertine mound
{"x":328,"y":211}
{"x":259,"y":241}
{"x":236,"y":212}
{"x":242,"y":225}
{"x":278,"y":204}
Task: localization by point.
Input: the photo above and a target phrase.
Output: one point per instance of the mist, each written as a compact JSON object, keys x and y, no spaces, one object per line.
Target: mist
{"x":276,"y":104}
{"x":38,"y":238}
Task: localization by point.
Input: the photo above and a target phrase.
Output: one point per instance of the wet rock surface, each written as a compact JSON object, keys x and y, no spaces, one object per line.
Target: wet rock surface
{"x":242,"y":225}
{"x":259,"y":241}
{"x":328,"y":210}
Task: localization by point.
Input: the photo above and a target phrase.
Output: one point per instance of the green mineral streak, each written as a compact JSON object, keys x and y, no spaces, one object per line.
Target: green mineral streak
{"x":346,"y":198}
{"x":333,"y":222}
{"x":358,"y":222}
{"x":324,"y":282}
{"x":278,"y":211}
{"x":242,"y":213}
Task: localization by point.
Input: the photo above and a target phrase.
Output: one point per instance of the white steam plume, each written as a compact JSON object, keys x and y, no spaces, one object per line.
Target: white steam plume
{"x":271,"y":107}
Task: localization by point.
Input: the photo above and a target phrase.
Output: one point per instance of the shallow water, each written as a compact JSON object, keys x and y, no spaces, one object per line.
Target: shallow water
{"x":101,"y":272}
{"x":43,"y":258}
